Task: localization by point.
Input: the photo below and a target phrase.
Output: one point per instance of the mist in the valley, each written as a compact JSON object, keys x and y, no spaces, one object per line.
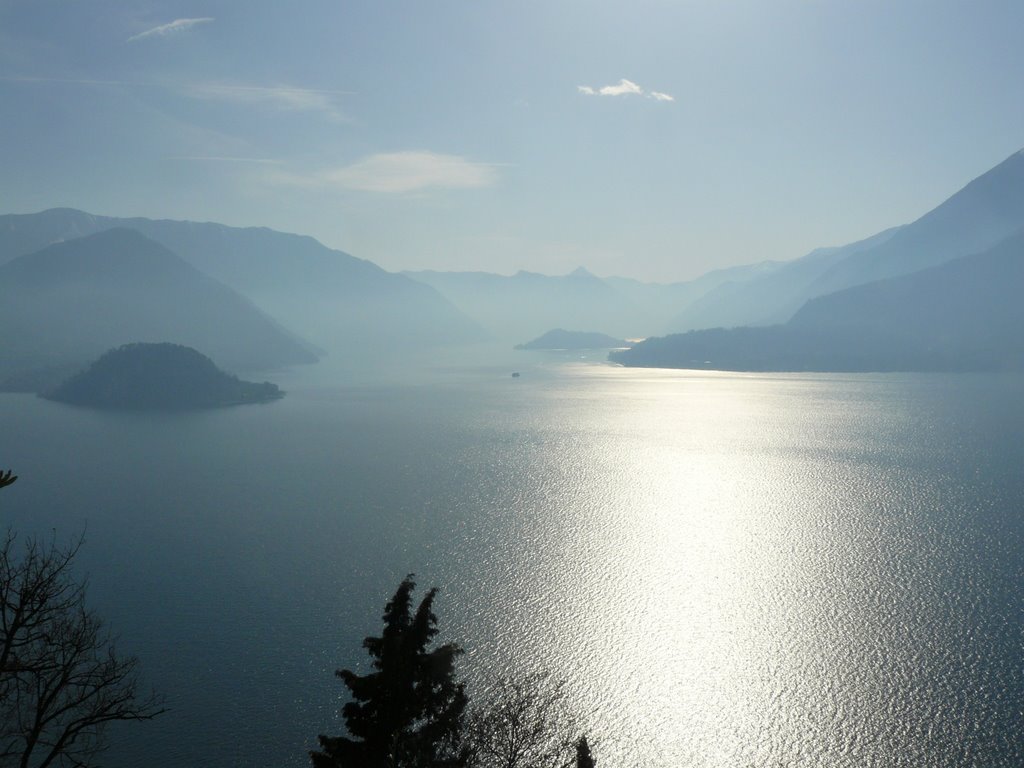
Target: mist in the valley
{"x":495,"y":385}
{"x":938,"y":293}
{"x":479,"y":428}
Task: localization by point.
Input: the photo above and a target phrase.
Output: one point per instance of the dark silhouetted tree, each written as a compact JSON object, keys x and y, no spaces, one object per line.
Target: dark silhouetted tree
{"x":583,"y":758}
{"x":61,"y":678}
{"x":7,"y":477}
{"x":409,"y":711}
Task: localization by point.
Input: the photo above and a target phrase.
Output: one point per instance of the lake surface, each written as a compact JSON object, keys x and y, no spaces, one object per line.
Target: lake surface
{"x":726,"y":569}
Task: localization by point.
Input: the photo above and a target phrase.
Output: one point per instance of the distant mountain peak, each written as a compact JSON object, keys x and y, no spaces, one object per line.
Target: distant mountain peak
{"x":581,"y":272}
{"x":324,"y":292}
{"x":76,"y":297}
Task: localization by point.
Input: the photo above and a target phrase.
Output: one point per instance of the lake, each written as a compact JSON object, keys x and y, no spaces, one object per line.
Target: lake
{"x":725,"y":569}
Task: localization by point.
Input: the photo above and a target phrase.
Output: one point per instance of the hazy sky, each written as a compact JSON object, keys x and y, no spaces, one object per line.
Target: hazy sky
{"x":648,"y":139}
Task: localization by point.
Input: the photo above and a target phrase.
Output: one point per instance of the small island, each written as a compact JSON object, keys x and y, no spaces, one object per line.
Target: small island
{"x":562,"y":339}
{"x":159,"y":377}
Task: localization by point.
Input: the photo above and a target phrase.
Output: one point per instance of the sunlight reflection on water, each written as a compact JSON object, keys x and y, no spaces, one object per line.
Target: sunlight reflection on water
{"x":728,"y":569}
{"x":736,"y":571}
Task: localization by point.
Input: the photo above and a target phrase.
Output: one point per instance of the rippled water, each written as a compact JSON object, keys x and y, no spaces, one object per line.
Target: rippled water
{"x":727,"y":569}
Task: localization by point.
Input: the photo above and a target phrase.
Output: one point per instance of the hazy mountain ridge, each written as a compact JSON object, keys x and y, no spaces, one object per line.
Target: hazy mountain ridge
{"x":963,"y":315}
{"x":330,"y":297}
{"x":667,"y":300}
{"x":769,"y":298}
{"x":349,"y":304}
{"x":73,"y":300}
{"x":981,"y":214}
{"x":968,"y":308}
{"x":561,"y":339}
{"x":526,"y":304}
{"x":986,"y":211}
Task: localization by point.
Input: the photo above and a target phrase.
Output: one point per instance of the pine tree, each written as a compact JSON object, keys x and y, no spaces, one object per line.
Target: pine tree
{"x":408,"y":712}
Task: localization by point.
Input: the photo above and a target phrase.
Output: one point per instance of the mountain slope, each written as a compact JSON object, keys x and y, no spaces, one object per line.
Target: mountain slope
{"x":983,"y":213}
{"x":71,"y":301}
{"x":526,"y":304}
{"x":329,"y":296}
{"x":665,"y":302}
{"x":970,"y":308}
{"x":965,"y":314}
{"x":771,"y":297}
{"x":563,"y":340}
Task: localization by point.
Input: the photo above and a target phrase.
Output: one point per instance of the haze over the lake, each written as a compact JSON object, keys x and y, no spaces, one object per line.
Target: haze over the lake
{"x":679,"y":345}
{"x":655,"y":140}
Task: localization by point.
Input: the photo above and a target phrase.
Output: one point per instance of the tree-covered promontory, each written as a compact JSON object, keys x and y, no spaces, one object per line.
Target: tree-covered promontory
{"x":159,"y":376}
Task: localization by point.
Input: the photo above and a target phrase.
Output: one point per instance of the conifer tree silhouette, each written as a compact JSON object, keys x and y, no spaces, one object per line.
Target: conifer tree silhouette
{"x":409,"y":711}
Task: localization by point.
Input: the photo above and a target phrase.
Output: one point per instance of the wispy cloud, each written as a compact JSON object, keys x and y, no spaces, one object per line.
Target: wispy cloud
{"x":281,"y":97}
{"x":411,"y":172}
{"x":401,"y":172}
{"x":171,"y":28}
{"x":68,"y":80}
{"x":226,"y":159}
{"x":623,"y":88}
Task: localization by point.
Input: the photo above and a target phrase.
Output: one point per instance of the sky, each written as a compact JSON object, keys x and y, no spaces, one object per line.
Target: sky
{"x":655,"y":139}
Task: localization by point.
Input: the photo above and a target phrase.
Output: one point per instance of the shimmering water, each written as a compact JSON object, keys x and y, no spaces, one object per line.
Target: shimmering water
{"x":728,"y":569}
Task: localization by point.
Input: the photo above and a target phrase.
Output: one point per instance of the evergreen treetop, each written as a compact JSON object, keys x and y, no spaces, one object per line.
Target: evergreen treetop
{"x":408,"y":711}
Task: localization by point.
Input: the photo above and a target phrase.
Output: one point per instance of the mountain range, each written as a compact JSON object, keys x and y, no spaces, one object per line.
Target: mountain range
{"x":71,"y":301}
{"x":784,"y":296}
{"x":963,"y":315}
{"x":526,"y":304}
{"x":919,"y":296}
{"x":986,"y":211}
{"x":335,"y":300}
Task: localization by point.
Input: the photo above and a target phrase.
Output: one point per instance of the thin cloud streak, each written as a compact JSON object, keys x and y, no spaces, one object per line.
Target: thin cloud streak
{"x":399,"y":173}
{"x":281,"y":98}
{"x":284,"y":98}
{"x":171,"y":28}
{"x":226,"y":159}
{"x":72,"y":81}
{"x":623,"y":88}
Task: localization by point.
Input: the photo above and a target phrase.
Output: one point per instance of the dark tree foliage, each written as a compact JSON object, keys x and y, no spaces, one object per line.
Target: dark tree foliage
{"x":7,"y":477}
{"x":408,"y":712}
{"x":61,"y":678}
{"x":159,"y":376}
{"x":583,"y":757}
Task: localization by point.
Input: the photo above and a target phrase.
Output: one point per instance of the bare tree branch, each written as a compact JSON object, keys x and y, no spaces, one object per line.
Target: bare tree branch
{"x":526,"y":723}
{"x":61,"y":678}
